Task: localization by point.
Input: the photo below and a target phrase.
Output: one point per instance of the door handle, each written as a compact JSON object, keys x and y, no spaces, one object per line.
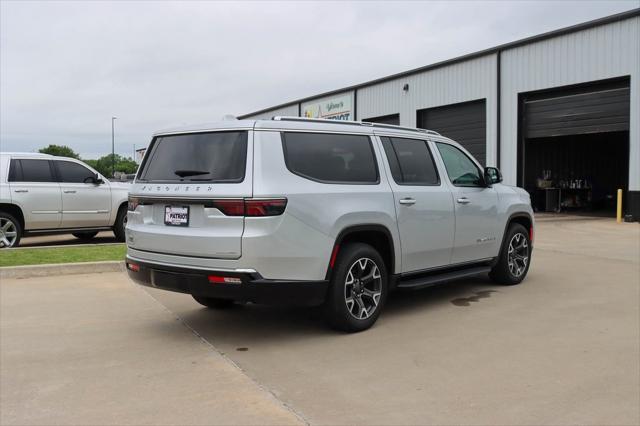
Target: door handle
{"x":69,"y":191}
{"x":463,"y":200}
{"x":407,"y":201}
{"x":21,"y":190}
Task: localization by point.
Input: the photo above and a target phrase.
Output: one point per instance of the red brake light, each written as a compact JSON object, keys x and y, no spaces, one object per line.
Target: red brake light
{"x":251,"y":207}
{"x":265,"y":207}
{"x":133,"y":267}
{"x":230,"y":207}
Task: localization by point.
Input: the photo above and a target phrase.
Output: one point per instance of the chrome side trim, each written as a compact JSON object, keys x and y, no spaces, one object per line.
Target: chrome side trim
{"x":155,"y":262}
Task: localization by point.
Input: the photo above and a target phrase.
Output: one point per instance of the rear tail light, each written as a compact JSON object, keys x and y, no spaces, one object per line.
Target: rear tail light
{"x":133,"y":203}
{"x":133,"y":267}
{"x":218,"y":279}
{"x":251,"y":207}
{"x":254,"y":207}
{"x":230,"y":207}
{"x":265,"y":207}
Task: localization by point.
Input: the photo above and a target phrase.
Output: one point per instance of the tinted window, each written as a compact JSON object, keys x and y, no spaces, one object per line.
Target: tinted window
{"x":331,"y":157}
{"x":411,"y":161}
{"x":15,"y":171}
{"x":461,"y":169}
{"x":74,"y":172}
{"x":207,"y":157}
{"x":35,"y":171}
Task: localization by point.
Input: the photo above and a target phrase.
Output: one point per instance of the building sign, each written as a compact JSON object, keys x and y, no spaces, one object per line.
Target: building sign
{"x":332,"y":109}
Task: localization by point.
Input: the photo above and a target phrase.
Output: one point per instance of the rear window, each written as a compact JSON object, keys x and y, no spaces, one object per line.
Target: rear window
{"x":203,"y":157}
{"x":331,"y":158}
{"x":30,"y":171}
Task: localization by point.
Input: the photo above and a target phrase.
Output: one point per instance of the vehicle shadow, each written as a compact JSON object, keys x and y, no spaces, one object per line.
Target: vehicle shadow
{"x":251,"y":325}
{"x":66,"y":239}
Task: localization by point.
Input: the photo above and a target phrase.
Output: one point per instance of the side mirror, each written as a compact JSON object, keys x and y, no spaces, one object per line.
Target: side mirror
{"x":96,"y":180}
{"x":492,"y":175}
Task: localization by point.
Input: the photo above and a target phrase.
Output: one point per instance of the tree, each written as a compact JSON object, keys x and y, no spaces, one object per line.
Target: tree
{"x":122,"y":164}
{"x":59,"y":150}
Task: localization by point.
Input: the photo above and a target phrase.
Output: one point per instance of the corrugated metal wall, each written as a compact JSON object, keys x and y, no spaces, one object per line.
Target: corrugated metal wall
{"x":464,"y":81}
{"x":608,"y":51}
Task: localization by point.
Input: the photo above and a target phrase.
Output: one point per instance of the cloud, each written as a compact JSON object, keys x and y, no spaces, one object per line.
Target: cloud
{"x":67,"y":67}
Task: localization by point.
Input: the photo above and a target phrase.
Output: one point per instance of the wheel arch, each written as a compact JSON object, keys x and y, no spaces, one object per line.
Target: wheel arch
{"x":123,"y":205}
{"x":15,"y":211}
{"x":376,"y":235}
{"x":524,"y":219}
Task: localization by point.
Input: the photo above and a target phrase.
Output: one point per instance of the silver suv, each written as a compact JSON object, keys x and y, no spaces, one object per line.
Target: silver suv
{"x":43,"y":194}
{"x":300,"y":211}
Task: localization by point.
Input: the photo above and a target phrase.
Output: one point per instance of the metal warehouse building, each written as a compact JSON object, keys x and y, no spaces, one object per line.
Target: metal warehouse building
{"x":558,"y":113}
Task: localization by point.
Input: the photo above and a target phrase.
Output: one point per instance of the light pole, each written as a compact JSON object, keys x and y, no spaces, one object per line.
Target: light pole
{"x":113,"y":148}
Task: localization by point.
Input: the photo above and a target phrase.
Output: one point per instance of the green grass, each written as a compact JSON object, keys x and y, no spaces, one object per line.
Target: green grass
{"x":39,"y":256}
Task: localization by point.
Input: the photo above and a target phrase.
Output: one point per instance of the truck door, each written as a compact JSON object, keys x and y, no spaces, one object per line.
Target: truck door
{"x":34,"y":189}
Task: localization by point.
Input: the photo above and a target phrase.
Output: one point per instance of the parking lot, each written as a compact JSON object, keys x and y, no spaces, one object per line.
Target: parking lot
{"x":561,"y":348}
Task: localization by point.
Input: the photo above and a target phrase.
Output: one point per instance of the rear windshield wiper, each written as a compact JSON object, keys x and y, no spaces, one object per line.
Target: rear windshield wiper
{"x":185,"y":173}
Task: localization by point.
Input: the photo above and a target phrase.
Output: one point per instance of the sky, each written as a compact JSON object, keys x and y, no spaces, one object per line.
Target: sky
{"x":67,"y":67}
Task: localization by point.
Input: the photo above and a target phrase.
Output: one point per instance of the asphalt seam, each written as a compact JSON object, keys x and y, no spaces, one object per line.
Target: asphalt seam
{"x":262,"y":387}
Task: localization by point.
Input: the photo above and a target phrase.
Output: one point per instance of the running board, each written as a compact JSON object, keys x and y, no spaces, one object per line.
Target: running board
{"x":428,"y":281}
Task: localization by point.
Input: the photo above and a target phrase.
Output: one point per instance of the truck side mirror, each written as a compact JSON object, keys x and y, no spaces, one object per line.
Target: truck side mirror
{"x":95,"y":179}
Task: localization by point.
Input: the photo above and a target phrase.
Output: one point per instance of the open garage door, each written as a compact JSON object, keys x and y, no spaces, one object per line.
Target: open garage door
{"x":574,"y":147}
{"x":465,"y":123}
{"x":577,"y":112}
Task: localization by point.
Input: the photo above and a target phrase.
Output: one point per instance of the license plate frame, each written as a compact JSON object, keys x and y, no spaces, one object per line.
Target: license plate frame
{"x":177,"y":220}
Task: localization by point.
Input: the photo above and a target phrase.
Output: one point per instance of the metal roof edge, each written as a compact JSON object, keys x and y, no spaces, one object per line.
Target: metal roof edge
{"x":517,"y":43}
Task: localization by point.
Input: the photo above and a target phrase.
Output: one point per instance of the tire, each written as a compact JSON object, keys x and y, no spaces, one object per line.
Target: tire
{"x":85,"y":236}
{"x":358,"y":288}
{"x":214,"y":303}
{"x":515,"y":257}
{"x":10,"y":231}
{"x":120,"y":224}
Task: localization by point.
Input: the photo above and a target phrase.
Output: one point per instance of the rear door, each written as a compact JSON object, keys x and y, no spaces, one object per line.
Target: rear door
{"x":35,"y":190}
{"x":189,"y":192}
{"x":84,"y":203}
{"x":424,"y":207}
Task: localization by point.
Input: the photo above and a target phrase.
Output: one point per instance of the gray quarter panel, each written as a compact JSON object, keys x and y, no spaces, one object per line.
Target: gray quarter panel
{"x":316,"y":213}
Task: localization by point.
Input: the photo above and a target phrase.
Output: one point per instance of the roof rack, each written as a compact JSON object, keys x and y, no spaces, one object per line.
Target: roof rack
{"x":354,"y":123}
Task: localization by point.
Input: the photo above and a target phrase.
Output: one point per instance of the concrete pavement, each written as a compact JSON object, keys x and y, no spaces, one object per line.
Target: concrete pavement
{"x":561,"y":348}
{"x":96,"y":350}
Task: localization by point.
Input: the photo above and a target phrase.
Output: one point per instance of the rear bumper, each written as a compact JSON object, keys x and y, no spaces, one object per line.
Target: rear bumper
{"x":252,"y":288}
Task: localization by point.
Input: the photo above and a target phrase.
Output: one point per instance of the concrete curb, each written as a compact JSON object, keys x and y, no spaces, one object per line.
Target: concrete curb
{"x":30,"y":271}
